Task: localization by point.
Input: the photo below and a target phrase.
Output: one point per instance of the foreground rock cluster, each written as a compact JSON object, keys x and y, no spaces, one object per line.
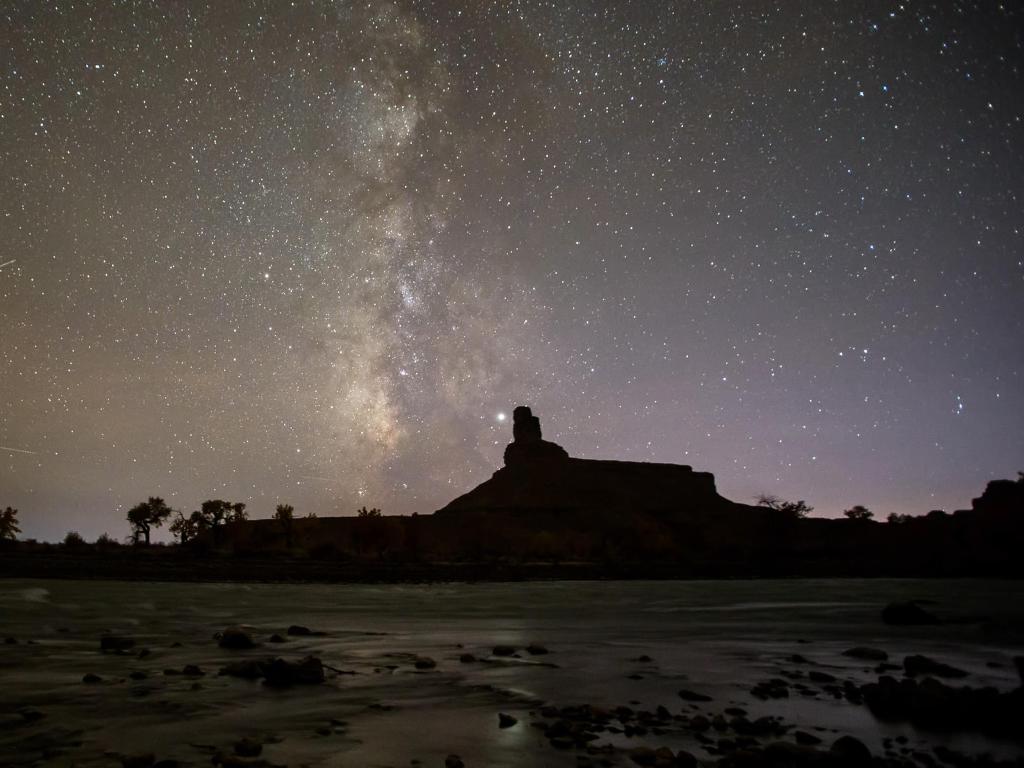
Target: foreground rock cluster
{"x":913,"y":688}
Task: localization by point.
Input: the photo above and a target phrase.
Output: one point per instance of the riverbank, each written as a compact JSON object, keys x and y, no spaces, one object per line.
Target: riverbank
{"x":172,"y":564}
{"x":725,"y":674}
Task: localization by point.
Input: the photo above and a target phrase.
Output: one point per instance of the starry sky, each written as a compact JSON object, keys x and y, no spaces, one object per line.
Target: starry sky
{"x":315,"y":252}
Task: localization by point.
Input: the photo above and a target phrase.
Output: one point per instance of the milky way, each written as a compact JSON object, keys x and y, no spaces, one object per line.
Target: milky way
{"x":308,"y":252}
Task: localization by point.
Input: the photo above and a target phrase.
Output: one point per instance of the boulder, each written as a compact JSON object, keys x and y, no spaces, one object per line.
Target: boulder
{"x":852,"y":749}
{"x":116,"y":643}
{"x":235,"y":638}
{"x":503,"y":650}
{"x":909,"y":613}
{"x":866,"y":654}
{"x":91,"y":678}
{"x":922,"y":665}
{"x":297,"y":630}
{"x":279,"y":673}
{"x":247,"y":747}
{"x":687,"y":695}
{"x":424,"y":662}
{"x":506,"y":720}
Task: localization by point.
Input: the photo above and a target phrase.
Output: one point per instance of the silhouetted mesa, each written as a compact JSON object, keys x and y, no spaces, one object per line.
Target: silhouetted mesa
{"x":540,"y":476}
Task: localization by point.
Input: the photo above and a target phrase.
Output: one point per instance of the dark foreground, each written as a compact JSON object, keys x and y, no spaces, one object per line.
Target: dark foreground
{"x":727,"y":673}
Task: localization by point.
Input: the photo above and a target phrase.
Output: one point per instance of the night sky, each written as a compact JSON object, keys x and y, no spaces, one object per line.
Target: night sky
{"x":316,"y":252}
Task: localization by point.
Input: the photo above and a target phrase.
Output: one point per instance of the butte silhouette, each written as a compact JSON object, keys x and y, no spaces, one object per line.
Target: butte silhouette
{"x":540,"y":476}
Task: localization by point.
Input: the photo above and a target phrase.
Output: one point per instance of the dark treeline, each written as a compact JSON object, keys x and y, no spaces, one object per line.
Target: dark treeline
{"x":775,"y":538}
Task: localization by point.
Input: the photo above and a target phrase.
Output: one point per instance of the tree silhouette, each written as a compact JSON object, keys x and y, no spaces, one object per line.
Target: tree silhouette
{"x":185,"y":529}
{"x":896,"y":518}
{"x":797,"y":509}
{"x":285,"y":516}
{"x":9,"y":529}
{"x":214,"y":514}
{"x":364,"y":512}
{"x":145,"y":516}
{"x":859,"y":512}
{"x":73,"y":540}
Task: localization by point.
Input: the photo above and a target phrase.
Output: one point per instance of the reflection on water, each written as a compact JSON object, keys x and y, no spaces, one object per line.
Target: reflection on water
{"x":718,"y":637}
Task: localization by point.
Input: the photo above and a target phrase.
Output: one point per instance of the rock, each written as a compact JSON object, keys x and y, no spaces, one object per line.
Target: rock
{"x":852,"y":749}
{"x":806,"y":739}
{"x":248,"y":670}
{"x":528,"y":446}
{"x":771,"y":689}
{"x":907,"y":614}
{"x":643,"y":756}
{"x":505,"y":720}
{"x":922,"y":665}
{"x":115,"y":643}
{"x":91,"y":678}
{"x":172,"y":672}
{"x":10,"y":641}
{"x":796,"y":658}
{"x":867,"y":654}
{"x":143,"y":653}
{"x":699,"y":723}
{"x":644,"y":659}
{"x":454,"y":761}
{"x":1018,"y":662}
{"x":275,"y":638}
{"x":818,"y":676}
{"x":687,"y":695}
{"x":503,"y":650}
{"x":297,"y":630}
{"x":30,"y":715}
{"x":235,"y":638}
{"x":783,"y":753}
{"x":145,"y":760}
{"x":280,"y":673}
{"x":467,"y":658}
{"x":138,"y":674}
{"x":192,"y":670}
{"x":247,"y":747}
{"x":535,"y":649}
{"x":684,"y":759}
{"x":424,"y":662}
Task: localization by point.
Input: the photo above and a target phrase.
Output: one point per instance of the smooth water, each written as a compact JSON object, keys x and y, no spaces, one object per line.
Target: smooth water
{"x":717,"y":637}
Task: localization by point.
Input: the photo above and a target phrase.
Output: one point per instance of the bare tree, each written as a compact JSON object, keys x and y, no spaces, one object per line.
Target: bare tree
{"x":797,"y":509}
